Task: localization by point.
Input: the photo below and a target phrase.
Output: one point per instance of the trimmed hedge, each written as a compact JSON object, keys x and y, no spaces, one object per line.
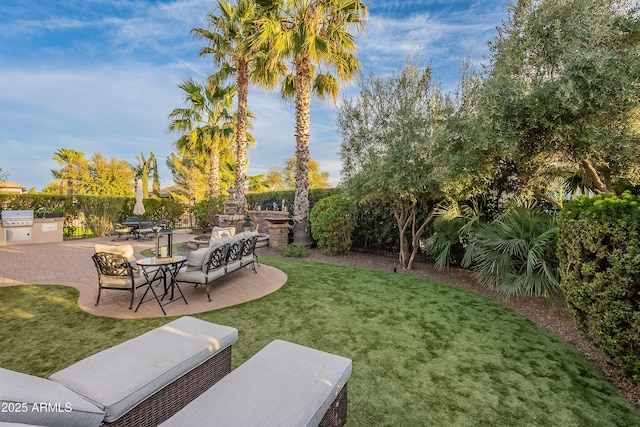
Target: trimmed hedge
{"x":599,"y":253}
{"x":100,"y":211}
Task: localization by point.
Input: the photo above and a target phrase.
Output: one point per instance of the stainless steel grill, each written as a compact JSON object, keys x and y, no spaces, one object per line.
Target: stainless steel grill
{"x":17,"y":218}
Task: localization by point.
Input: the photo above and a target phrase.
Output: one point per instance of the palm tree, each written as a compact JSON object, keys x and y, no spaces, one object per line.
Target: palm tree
{"x":229,"y":36}
{"x":70,"y":160}
{"x":314,"y":35}
{"x":206,"y":125}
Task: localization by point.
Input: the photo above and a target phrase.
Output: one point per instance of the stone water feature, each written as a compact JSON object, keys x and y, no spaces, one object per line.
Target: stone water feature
{"x":233,"y":212}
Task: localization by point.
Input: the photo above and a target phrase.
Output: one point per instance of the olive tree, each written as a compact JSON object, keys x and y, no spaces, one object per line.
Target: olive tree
{"x":563,"y":89}
{"x":388,"y":132}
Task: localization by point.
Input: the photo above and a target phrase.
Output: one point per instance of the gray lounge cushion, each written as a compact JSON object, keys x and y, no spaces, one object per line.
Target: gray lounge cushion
{"x":119,"y":378}
{"x":284,"y":384}
{"x":38,"y":401}
{"x":3,"y":424}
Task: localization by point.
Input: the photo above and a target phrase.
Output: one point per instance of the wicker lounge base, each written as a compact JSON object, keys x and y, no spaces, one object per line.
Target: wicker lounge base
{"x":336,"y":415}
{"x":169,"y":400}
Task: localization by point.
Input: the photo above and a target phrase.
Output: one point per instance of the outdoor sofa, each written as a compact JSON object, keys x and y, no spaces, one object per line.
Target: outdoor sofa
{"x":225,"y":254}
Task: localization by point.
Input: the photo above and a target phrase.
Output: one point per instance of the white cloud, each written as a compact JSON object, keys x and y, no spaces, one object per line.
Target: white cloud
{"x":102,"y":75}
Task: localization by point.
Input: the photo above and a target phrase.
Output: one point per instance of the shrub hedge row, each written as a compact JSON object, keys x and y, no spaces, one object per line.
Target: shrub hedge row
{"x":99,"y":211}
{"x":599,"y":253}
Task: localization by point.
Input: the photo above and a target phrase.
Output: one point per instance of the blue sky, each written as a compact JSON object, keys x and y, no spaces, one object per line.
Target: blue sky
{"x":102,"y":76}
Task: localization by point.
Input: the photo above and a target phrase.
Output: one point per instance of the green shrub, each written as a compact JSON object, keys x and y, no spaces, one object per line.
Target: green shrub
{"x":107,"y":208}
{"x":169,"y":209}
{"x":205,"y":212}
{"x":599,"y":253}
{"x":332,"y":221}
{"x":295,"y":251}
{"x":99,"y":225}
{"x":515,"y":253}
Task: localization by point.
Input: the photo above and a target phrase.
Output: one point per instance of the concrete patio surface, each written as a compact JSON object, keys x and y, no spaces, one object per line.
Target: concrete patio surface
{"x":69,"y":263}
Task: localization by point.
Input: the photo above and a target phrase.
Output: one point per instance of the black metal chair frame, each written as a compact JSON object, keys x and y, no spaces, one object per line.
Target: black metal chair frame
{"x":234,"y":253}
{"x":108,"y":264}
{"x":249,"y":247}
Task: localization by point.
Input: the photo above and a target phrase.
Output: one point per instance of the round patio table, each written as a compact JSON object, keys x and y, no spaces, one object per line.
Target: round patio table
{"x":168,"y":267}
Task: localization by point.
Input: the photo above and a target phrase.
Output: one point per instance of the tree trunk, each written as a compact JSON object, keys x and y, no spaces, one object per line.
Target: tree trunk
{"x":540,"y":196}
{"x":403,"y":214}
{"x":595,"y":177}
{"x":301,"y":227}
{"x":241,"y":133}
{"x":415,"y":237}
{"x":214,"y":171}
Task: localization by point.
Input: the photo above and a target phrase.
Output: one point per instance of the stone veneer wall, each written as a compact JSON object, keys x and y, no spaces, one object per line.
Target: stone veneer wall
{"x":258,"y":217}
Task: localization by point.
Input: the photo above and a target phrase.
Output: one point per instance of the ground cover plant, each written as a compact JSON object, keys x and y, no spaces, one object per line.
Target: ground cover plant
{"x":424,"y":353}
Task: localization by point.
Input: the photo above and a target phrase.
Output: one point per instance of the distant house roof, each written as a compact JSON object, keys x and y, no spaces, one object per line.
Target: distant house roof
{"x":165,"y":192}
{"x":11,"y":188}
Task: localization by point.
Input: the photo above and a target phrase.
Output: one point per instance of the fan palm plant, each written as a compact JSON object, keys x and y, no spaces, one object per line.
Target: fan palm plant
{"x":453,"y":233}
{"x":515,"y":254}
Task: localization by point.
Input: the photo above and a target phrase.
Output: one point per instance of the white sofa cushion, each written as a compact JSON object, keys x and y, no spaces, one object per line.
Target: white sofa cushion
{"x":119,"y":378}
{"x":123,"y":281}
{"x":124,"y":250}
{"x":38,"y":401}
{"x":284,"y":384}
{"x":218,"y":233}
{"x":211,"y":249}
{"x":196,"y":258}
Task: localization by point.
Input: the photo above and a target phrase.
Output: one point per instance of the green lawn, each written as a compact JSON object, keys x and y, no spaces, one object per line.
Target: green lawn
{"x":423,"y":353}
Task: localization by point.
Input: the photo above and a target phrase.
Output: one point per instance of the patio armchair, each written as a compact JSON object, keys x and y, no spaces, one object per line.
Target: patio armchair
{"x":117,"y":270}
{"x":121,"y":230}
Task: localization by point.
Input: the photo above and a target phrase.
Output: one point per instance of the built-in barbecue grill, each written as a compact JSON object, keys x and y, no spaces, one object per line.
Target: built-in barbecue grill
{"x":17,"y":225}
{"x":17,"y":218}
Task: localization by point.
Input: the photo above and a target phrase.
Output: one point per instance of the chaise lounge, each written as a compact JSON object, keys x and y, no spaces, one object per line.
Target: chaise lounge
{"x":180,"y":375}
{"x":140,"y":382}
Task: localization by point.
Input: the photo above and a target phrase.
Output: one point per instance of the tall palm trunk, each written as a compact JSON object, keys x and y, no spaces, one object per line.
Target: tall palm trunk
{"x":301,"y":228}
{"x":241,"y":133}
{"x":214,"y":170}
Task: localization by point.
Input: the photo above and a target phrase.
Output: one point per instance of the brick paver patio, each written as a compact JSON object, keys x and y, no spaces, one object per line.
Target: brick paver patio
{"x":69,"y":263}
